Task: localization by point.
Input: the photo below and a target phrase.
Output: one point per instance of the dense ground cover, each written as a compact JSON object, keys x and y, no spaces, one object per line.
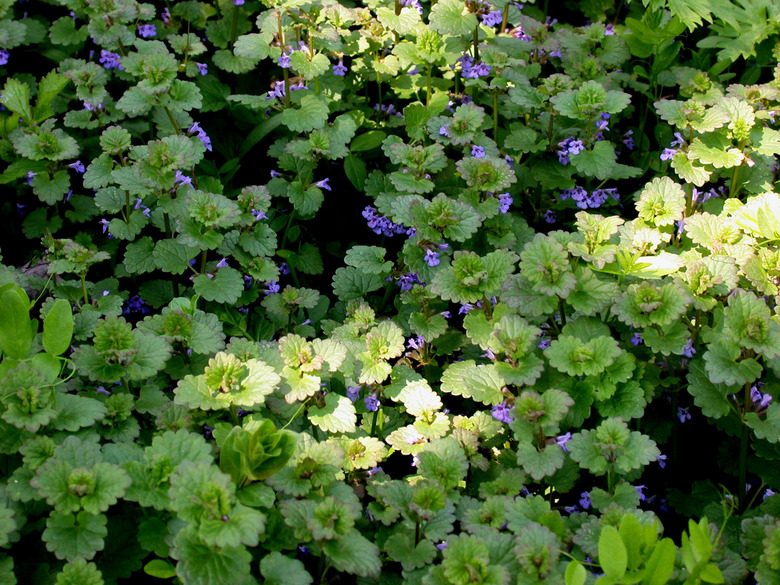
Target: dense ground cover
{"x":399,"y":292}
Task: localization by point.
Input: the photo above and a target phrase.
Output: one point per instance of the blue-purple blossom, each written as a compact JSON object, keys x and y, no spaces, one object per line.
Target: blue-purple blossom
{"x":201,"y":134}
{"x":323,"y":184}
{"x":104,"y":222}
{"x":110,"y":60}
{"x":470,"y":70}
{"x":585,"y":501}
{"x":668,"y":153}
{"x":477,"y":152}
{"x":444,"y":130}
{"x":609,"y":30}
{"x":239,"y":3}
{"x":222,"y":263}
{"x":414,"y":4}
{"x":640,"y":489}
{"x":165,"y":15}
{"x":628,"y":140}
{"x":569,"y":147}
{"x":247,"y":281}
{"x":272,"y":287}
{"x":340,"y":70}
{"x":4,"y":56}
{"x":407,"y":281}
{"x":380,"y":224}
{"x":760,"y":401}
{"x":661,"y":461}
{"x":465,"y":308}
{"x":203,"y":69}
{"x":371,"y":402}
{"x":147,"y":30}
{"x":492,"y":18}
{"x":688,"y":350}
{"x":504,"y":201}
{"x":353,"y":392}
{"x":432,"y":258}
{"x":135,"y":304}
{"x":549,"y":216}
{"x":768,"y":494}
{"x":284,"y":60}
{"x":180,"y":179}
{"x":636,"y":339}
{"x":78,"y":166}
{"x":415,"y":342}
{"x":284,"y":268}
{"x":683,"y":414}
{"x":562,"y":440}
{"x":258,"y":214}
{"x":446,"y":314}
{"x":556,"y":54}
{"x":277,"y":91}
{"x":501,"y":412}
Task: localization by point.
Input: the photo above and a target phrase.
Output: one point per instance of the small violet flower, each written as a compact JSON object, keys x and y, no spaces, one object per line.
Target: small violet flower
{"x":110,"y":60}
{"x":147,"y":30}
{"x":201,"y":134}
{"x":661,"y":461}
{"x":501,"y":412}
{"x":340,"y":70}
{"x":181,"y":179}
{"x":78,"y":166}
{"x":636,"y":339}
{"x":562,"y":440}
{"x":353,"y":392}
{"x":4,"y":56}
{"x":688,"y":350}
{"x":492,"y":18}
{"x":323,"y":184}
{"x":505,"y":200}
{"x":477,"y":152}
{"x":223,"y":263}
{"x":203,"y":69}
{"x":432,"y":258}
{"x":683,"y":414}
{"x":284,"y":61}
{"x":273,"y":287}
{"x":371,"y":402}
{"x":585,"y":501}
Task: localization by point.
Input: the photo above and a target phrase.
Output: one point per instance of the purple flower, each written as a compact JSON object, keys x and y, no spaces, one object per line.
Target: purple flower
{"x":442,"y":545}
{"x":222,"y":263}
{"x":277,"y":91}
{"x":203,"y":69}
{"x":760,"y":401}
{"x":104,"y":222}
{"x":501,"y":412}
{"x":640,"y":489}
{"x":414,"y":4}
{"x":147,"y":30}
{"x":110,"y":60}
{"x":544,"y":343}
{"x":247,"y":281}
{"x":284,"y":61}
{"x":668,"y":153}
{"x":465,"y":308}
{"x":768,"y":494}
{"x":477,"y":152}
{"x":181,"y":179}
{"x":273,"y":287}
{"x":505,"y":200}
{"x":562,"y":440}
{"x":549,"y":216}
{"x":661,"y":461}
{"x":240,"y":3}
{"x":492,"y":18}
{"x":678,"y":140}
{"x":446,"y":314}
{"x":510,"y":161}
{"x":432,"y":258}
{"x":353,"y":392}
{"x":4,"y":55}
{"x":30,"y":176}
{"x":609,"y":30}
{"x":636,"y":339}
{"x":166,"y":17}
{"x":77,"y":166}
{"x":323,"y":184}
{"x":407,"y":281}
{"x":556,"y":54}
{"x":683,"y":414}
{"x":628,"y":140}
{"x":284,"y":268}
{"x":585,"y":501}
{"x":688,"y":350}
{"x":371,"y":402}
{"x":339,"y":69}
{"x":373,"y":471}
{"x":299,"y":85}
{"x":444,"y":130}
{"x":201,"y":134}
{"x":135,"y":304}
{"x":415,"y":342}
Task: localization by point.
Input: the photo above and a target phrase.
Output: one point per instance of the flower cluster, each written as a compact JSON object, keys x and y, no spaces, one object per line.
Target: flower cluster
{"x":195,"y":129}
{"x":380,"y":224}
{"x":569,"y":147}
{"x":471,"y":70}
{"x":583,"y":200}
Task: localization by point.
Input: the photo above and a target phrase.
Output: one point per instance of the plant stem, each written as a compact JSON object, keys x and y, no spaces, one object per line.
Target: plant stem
{"x":430,"y":89}
{"x":173,"y":121}
{"x":495,"y":115}
{"x":203,"y":256}
{"x":84,"y":288}
{"x":744,"y":441}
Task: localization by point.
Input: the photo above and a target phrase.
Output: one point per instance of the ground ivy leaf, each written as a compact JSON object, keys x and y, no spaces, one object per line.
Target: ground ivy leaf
{"x":766,"y":425}
{"x":312,"y":114}
{"x":482,"y":383}
{"x":75,"y":412}
{"x":171,"y":256}
{"x":278,"y":569}
{"x":226,"y":286}
{"x":71,"y":536}
{"x":575,"y":357}
{"x":354,"y":554}
{"x":336,"y":416}
{"x":369,"y":259}
{"x":201,"y":564}
{"x":400,"y":547}
{"x":724,"y":364}
{"x":350,"y":283}
{"x":539,"y":464}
